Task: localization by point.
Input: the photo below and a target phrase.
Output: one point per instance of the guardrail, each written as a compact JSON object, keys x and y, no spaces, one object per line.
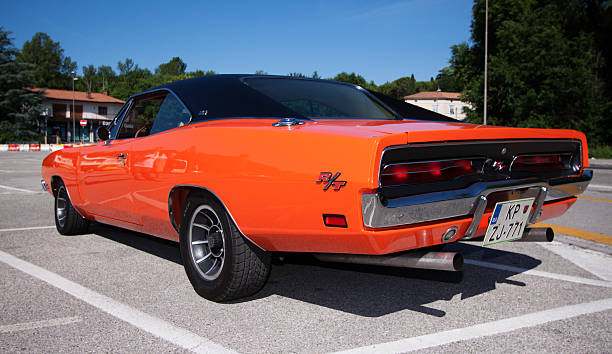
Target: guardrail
{"x":37,"y":147}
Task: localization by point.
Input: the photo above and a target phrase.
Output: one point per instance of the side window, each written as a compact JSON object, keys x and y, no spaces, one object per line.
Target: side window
{"x":152,"y":114}
{"x":172,"y":114}
{"x":116,"y":122}
{"x":139,"y":119}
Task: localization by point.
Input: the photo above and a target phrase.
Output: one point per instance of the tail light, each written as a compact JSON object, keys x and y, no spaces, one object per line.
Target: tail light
{"x":431,"y":171}
{"x":544,"y":163}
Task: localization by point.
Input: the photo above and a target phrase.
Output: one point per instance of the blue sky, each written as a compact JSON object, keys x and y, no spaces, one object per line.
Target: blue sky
{"x":381,"y":40}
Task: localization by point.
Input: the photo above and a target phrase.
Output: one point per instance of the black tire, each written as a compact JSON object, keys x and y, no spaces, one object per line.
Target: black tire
{"x":220,"y":263}
{"x":67,"y":220}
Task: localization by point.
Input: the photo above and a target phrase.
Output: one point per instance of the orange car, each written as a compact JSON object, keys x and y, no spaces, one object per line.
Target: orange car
{"x":236,"y":167}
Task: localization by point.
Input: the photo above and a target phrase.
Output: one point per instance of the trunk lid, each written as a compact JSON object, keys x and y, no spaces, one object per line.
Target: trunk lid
{"x":428,"y":131}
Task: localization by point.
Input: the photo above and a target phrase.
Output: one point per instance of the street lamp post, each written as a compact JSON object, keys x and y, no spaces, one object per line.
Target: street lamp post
{"x":74,"y":78}
{"x":45,"y":113}
{"x":486,"y":54}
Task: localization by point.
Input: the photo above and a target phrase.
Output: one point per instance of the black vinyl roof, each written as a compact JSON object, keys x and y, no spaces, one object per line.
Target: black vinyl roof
{"x":227,"y":96}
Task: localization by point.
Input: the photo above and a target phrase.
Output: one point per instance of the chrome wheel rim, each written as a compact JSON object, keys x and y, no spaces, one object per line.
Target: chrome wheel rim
{"x":206,"y":243}
{"x":61,"y":203}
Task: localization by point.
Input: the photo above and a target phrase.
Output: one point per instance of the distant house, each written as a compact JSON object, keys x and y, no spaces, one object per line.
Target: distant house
{"x":95,"y":109}
{"x":446,"y":103}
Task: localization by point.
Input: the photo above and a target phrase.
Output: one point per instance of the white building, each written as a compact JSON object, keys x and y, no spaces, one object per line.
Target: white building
{"x":446,"y":103}
{"x":95,"y":109}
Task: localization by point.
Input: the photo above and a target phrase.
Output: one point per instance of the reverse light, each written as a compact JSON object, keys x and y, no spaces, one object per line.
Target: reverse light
{"x":543,"y":162}
{"x":334,"y":220}
{"x":431,"y":171}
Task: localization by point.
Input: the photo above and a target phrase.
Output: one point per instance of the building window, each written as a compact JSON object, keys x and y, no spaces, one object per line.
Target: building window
{"x":78,"y":111}
{"x":102,"y":110}
{"x":434,"y":107}
{"x":452,"y":109}
{"x":59,"y":110}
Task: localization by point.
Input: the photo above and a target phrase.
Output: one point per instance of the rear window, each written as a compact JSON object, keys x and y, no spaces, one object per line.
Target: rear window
{"x":320,"y":99}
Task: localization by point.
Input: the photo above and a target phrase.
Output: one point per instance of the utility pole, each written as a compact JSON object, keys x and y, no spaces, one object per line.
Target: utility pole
{"x":486,"y":54}
{"x":73,"y":124}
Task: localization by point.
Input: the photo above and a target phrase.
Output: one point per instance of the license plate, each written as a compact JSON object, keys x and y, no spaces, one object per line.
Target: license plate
{"x":508,"y":221}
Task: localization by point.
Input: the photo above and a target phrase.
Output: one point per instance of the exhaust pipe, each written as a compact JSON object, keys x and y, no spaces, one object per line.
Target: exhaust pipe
{"x":450,"y":261}
{"x":539,"y":234}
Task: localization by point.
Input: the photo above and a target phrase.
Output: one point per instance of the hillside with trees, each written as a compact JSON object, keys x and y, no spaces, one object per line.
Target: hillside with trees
{"x":19,"y":108}
{"x":549,"y":66}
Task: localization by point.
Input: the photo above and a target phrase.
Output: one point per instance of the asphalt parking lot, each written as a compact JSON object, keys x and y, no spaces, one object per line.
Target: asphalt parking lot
{"x":119,"y":291}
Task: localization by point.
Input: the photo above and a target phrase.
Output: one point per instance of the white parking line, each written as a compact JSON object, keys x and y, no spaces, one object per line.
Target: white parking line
{"x":39,"y":324}
{"x":17,"y":189}
{"x":486,"y":329}
{"x":153,"y":325}
{"x":540,"y":273}
{"x":599,"y":187}
{"x":27,"y":228}
{"x":594,"y":262}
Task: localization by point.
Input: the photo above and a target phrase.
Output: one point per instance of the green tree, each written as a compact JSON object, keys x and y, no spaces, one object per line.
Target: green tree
{"x":356,"y":79}
{"x":448,"y":81}
{"x":196,"y":73}
{"x":547,"y":65}
{"x":20,"y":109}
{"x":351,"y":78}
{"x":89,"y":80}
{"x":52,"y":69}
{"x":175,"y":67}
{"x":126,"y":66}
{"x":399,"y":88}
{"x":105,"y":76}
{"x":133,"y":81}
{"x":296,"y":75}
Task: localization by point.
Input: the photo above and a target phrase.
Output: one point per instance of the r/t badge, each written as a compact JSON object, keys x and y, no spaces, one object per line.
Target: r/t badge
{"x":331,"y":180}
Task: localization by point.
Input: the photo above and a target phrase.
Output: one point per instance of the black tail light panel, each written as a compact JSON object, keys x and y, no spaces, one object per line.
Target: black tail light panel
{"x":488,"y":161}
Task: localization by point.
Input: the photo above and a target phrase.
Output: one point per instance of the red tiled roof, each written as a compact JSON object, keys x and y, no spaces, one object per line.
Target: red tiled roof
{"x":78,"y":96}
{"x":437,"y":95}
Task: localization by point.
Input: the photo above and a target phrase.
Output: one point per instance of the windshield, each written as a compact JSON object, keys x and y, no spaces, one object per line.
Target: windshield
{"x":320,"y":99}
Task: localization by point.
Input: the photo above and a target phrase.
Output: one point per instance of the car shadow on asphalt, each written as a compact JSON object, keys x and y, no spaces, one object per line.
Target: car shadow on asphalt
{"x":156,"y":246}
{"x":369,"y":291}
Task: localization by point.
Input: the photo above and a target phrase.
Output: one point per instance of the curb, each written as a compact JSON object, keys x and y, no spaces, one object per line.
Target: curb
{"x":591,"y":245}
{"x":605,"y":164}
{"x":600,"y":166}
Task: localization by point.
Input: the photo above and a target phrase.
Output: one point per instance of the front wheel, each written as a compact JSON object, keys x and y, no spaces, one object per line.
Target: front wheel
{"x":67,"y":220}
{"x":220,"y":263}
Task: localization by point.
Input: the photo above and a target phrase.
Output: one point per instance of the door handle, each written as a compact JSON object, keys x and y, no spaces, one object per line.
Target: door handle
{"x":122,"y":156}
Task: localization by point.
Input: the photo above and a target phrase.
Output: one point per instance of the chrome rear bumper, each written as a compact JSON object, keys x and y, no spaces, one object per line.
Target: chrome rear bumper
{"x":470,"y":201}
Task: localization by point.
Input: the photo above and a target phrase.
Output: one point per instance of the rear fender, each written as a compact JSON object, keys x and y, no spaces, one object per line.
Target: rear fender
{"x":176,"y":201}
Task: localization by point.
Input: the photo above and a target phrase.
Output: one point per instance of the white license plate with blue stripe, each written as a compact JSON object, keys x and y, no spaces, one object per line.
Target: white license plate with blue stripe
{"x":508,"y":221}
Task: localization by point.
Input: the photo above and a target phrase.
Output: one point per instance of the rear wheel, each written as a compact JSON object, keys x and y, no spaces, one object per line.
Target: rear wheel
{"x":220,"y":263}
{"x":67,"y":220}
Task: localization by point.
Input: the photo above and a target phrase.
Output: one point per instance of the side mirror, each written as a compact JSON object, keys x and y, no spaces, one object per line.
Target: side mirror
{"x":102,"y":133}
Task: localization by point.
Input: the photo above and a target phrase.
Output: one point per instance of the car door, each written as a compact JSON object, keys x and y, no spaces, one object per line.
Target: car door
{"x":157,"y":162}
{"x":107,"y":168}
{"x":105,"y":174}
